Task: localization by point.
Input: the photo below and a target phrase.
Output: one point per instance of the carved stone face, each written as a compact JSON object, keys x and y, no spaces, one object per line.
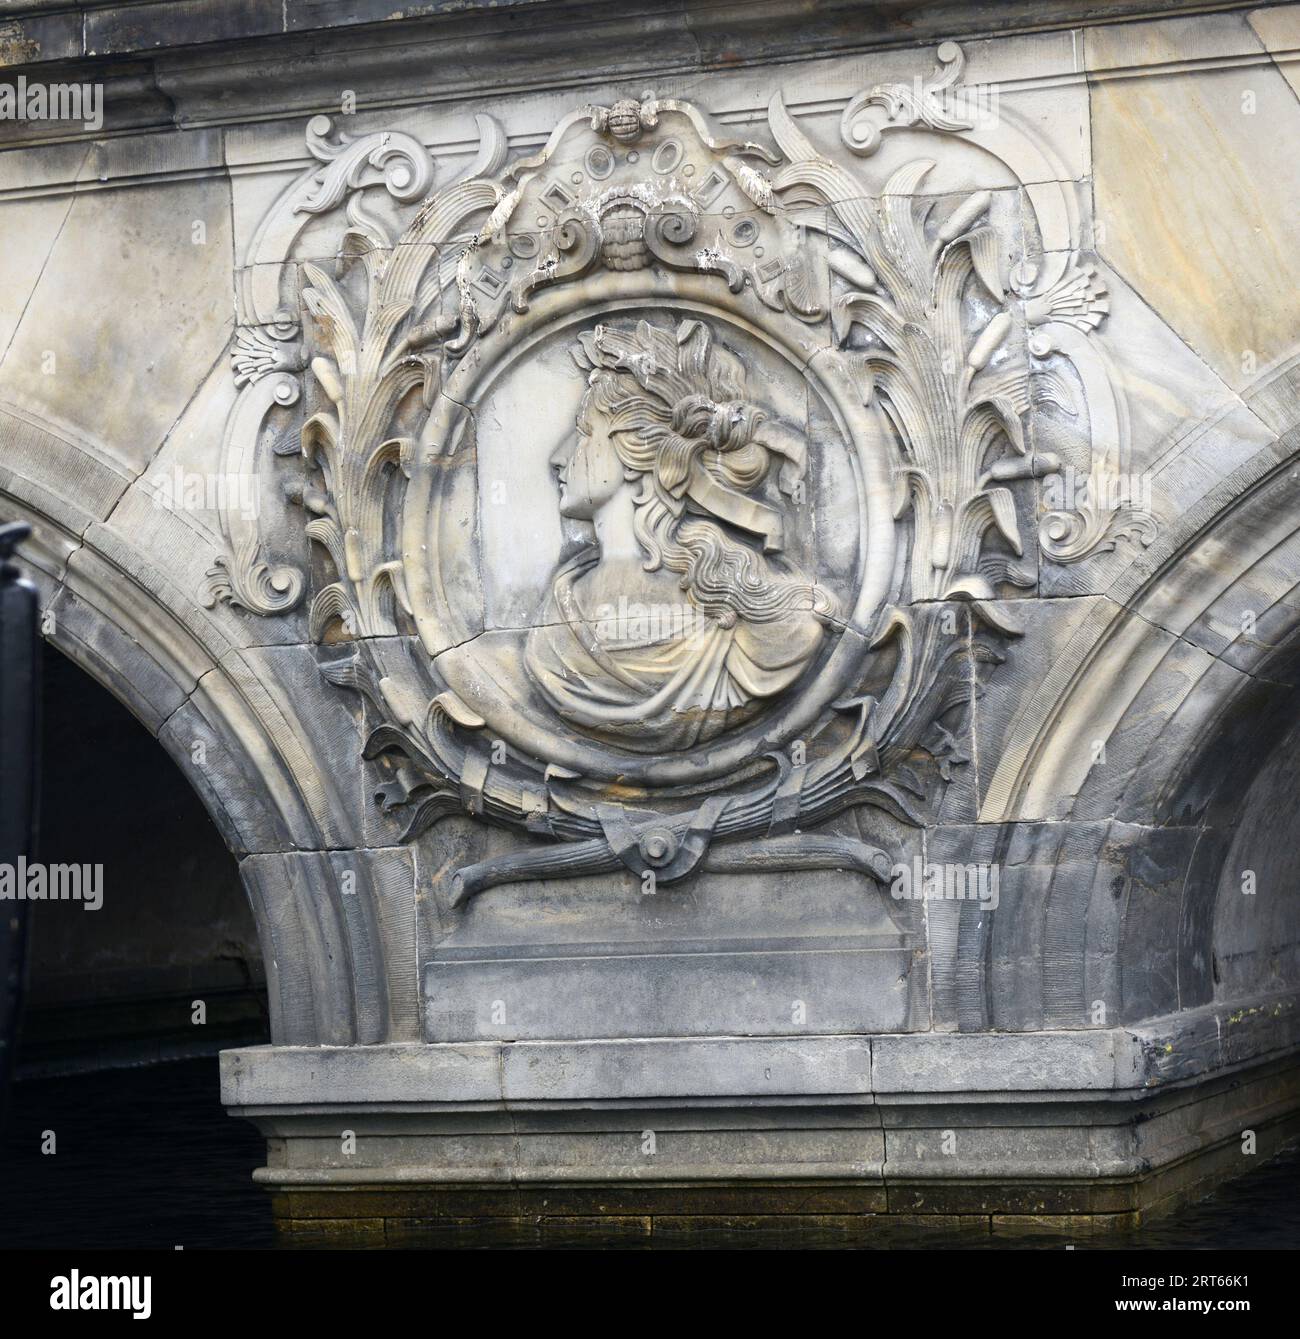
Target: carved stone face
{"x":588,"y":469}
{"x":685,"y":618}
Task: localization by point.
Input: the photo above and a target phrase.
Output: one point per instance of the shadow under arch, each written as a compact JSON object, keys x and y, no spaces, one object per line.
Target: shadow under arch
{"x":159,"y":958}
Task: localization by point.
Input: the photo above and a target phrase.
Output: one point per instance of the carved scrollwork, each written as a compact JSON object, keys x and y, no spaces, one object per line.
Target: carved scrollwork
{"x":932,"y":104}
{"x":243,"y":576}
{"x":257,"y":355}
{"x":1061,"y":294}
{"x":267,"y":355}
{"x":655,"y":250}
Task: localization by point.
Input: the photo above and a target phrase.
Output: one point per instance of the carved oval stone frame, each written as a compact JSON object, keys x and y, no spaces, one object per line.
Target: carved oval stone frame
{"x":699,"y":768}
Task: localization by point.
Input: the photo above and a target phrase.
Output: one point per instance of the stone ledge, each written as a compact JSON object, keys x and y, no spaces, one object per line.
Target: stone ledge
{"x":1122,"y":1061}
{"x":1083,"y":1145}
{"x":970,"y":1188}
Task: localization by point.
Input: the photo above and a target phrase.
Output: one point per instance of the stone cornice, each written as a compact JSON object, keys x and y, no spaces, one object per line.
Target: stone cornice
{"x":209,"y":62}
{"x":42,"y":31}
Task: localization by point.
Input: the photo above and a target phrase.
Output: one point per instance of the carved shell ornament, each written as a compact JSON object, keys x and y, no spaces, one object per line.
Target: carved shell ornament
{"x":757,"y":423}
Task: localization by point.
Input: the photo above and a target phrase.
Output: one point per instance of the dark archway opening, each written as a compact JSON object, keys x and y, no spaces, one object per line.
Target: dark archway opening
{"x":101,"y":1146}
{"x":121,"y":984}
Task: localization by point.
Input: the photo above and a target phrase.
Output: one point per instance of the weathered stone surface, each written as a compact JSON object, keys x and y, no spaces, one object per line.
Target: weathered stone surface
{"x":84,"y":373}
{"x":738,"y":612}
{"x":1151,"y":146}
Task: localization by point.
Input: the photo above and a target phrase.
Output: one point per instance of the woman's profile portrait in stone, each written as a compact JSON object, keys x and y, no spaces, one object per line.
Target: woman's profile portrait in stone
{"x":681,"y":617}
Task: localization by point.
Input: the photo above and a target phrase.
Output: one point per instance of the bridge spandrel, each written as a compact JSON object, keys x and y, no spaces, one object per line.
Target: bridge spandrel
{"x":716,"y":616}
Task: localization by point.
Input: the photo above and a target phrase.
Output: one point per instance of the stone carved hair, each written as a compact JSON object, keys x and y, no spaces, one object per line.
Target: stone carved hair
{"x":681,"y":425}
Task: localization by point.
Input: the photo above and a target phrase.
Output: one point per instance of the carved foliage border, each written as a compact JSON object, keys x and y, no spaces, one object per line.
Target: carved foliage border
{"x":898,"y":331}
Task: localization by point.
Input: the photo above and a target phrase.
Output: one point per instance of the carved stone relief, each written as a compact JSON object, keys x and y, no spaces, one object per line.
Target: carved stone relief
{"x":760,"y":420}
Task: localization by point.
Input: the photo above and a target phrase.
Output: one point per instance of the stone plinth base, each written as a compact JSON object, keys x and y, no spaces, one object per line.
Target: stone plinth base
{"x":665,"y":1140}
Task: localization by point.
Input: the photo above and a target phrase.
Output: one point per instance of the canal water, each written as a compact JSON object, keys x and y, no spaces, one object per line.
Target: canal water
{"x":146,"y":1157}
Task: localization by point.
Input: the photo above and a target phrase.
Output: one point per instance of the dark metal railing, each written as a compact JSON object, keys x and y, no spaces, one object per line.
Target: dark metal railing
{"x":19,"y":761}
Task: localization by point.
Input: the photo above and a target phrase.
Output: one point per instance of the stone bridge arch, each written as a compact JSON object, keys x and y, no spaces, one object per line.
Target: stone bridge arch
{"x":112,"y":603}
{"x":1158,"y":733}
